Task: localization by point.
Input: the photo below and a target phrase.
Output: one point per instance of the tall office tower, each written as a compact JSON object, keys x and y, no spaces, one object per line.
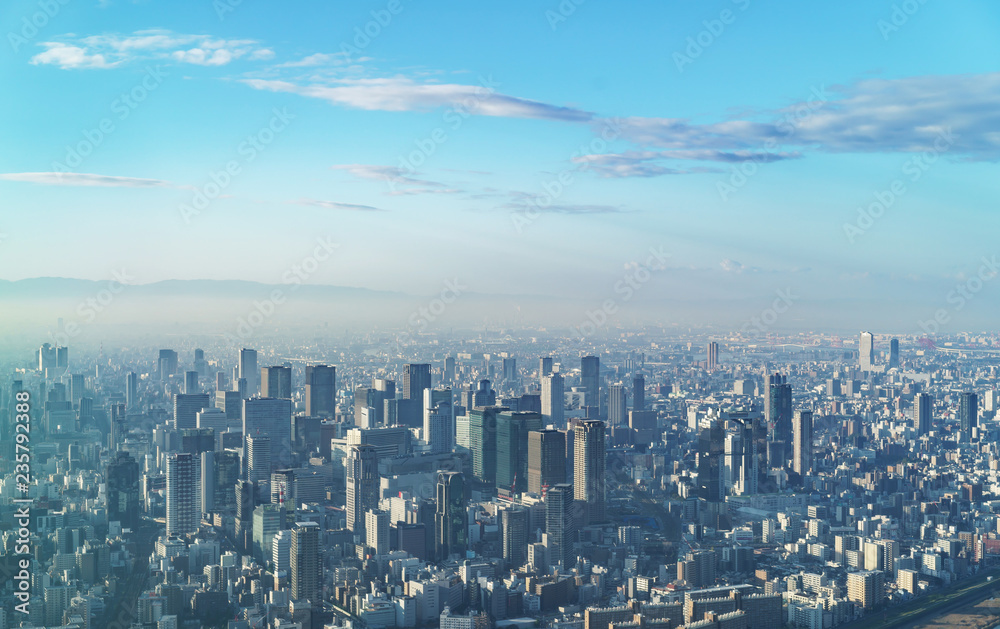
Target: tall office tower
{"x":206,"y":481}
{"x":362,"y":485}
{"x":990,"y":401}
{"x":544,"y":366}
{"x":451,"y":526}
{"x":227,"y":475}
{"x":514,"y":533}
{"x":922,"y":413}
{"x":167,"y":363}
{"x":258,"y":458}
{"x":484,"y":395}
{"x":510,"y":370}
{"x":713,"y":356}
{"x":802,"y":442}
{"x":246,"y":493}
{"x":200,"y":364}
{"x":560,"y":525}
{"x":230,"y":402}
{"x":321,"y":391}
{"x":186,"y":407}
{"x":639,"y":392}
{"x":893,"y":353}
{"x":271,"y":417}
{"x":183,"y":502}
{"x":439,"y":420}
{"x":588,"y":468}
{"x":416,"y":378}
{"x":132,"y":391}
{"x":617,"y":405}
{"x":968,"y":413}
{"x":276,"y":382}
{"x":778,"y":411}
{"x":123,"y":496}
{"x":221,"y":381}
{"x":377,"y":530}
{"x":197,"y":440}
{"x":307,"y":564}
{"x":76,"y":387}
{"x":747,"y":479}
{"x":483,"y":442}
{"x":249,"y":370}
{"x":242,"y":388}
{"x":268,"y":519}
{"x":283,"y":489}
{"x":117,"y":426}
{"x":590,"y":380}
{"x":449,"y":369}
{"x":546,"y":460}
{"x":866,"y":588}
{"x":46,"y":358}
{"x":512,"y":449}
{"x":866,"y":351}
{"x":191,"y":382}
{"x":553,"y":399}
{"x":711,"y":450}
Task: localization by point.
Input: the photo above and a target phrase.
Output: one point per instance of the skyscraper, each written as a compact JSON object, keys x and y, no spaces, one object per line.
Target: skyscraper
{"x":512,"y":448}
{"x":191,"y":382}
{"x":588,"y":467}
{"x":514,"y":532}
{"x":510,"y":370}
{"x":544,"y":366}
{"x":276,"y":382}
{"x":362,"y":485}
{"x":321,"y":391}
{"x":546,"y":459}
{"x":893,"y":353}
{"x":802,"y":430}
{"x":186,"y":407}
{"x":307,"y":564}
{"x":560,"y":525}
{"x":271,"y":417}
{"x":451,"y":530}
{"x":639,"y":392}
{"x":258,"y":458}
{"x":439,"y":420}
{"x":416,"y":378}
{"x":377,"y":530}
{"x":483,"y":442}
{"x":132,"y":391}
{"x":866,"y":351}
{"x":167,"y":363}
{"x":968,"y":414}
{"x":778,"y":412}
{"x":248,"y":370}
{"x":183,"y":502}
{"x":553,"y":400}
{"x":123,"y":496}
{"x":922,"y":413}
{"x":590,"y":380}
{"x":713,"y":356}
{"x":711,"y":450}
{"x":617,"y":405}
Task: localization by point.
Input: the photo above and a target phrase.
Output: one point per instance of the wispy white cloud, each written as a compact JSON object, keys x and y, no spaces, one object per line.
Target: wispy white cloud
{"x":335,"y":205}
{"x":86,"y":180}
{"x":401,"y":182}
{"x":71,"y":57}
{"x":317,"y":59}
{"x":404,"y":94}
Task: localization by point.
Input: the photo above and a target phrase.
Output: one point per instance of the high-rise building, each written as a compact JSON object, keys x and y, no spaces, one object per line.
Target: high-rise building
{"x":483,"y":442}
{"x":183,"y":501}
{"x":802,"y":441}
{"x":553,"y":400}
{"x":123,"y":495}
{"x":512,"y":448}
{"x":451,"y":528}
{"x":76,"y":387}
{"x":893,"y":353}
{"x":544,"y":366}
{"x":245,"y":502}
{"x":588,"y":468}
{"x":191,"y":382}
{"x":514,"y":531}
{"x":590,"y":380}
{"x":248,"y":370}
{"x":560,"y":525}
{"x":922,"y":413}
{"x":711,"y":453}
{"x":510,"y":370}
{"x":377,"y":530}
{"x":617,"y":406}
{"x":186,"y":407}
{"x":713,"y":356}
{"x":271,"y":417}
{"x":132,"y":391}
{"x":416,"y":378}
{"x":306,"y":562}
{"x":268,"y":519}
{"x":639,"y":392}
{"x":258,"y":458}
{"x":866,"y":351}
{"x":778,"y":412}
{"x":439,"y":420}
{"x":276,"y":382}
{"x":968,"y":414}
{"x":321,"y":391}
{"x":546,"y":459}
{"x":866,"y":588}
{"x":167,"y":363}
{"x":362,"y":485}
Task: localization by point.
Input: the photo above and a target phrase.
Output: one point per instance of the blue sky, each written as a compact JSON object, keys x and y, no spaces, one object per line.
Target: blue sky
{"x":824,"y":106}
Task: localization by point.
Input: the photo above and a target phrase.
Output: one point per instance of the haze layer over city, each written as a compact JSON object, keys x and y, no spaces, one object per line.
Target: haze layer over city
{"x":558,"y":315}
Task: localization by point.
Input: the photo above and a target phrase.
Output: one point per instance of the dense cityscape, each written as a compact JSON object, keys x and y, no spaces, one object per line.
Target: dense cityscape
{"x":513,"y":480}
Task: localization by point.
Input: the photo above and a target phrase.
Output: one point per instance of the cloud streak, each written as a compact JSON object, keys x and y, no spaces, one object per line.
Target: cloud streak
{"x":85,"y":180}
{"x":335,"y":205}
